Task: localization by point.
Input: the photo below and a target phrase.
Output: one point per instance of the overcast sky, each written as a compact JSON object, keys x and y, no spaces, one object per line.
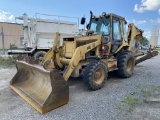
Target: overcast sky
{"x":144,"y":13}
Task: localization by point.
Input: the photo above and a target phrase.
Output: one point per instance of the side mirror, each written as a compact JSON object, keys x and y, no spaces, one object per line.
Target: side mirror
{"x":83,"y":20}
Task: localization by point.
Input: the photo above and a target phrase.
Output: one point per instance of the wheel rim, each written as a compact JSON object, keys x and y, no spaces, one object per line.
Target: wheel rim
{"x":129,"y":65}
{"x":40,"y":58}
{"x":99,"y":75}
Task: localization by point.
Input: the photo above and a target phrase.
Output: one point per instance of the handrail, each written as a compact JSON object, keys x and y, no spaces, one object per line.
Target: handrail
{"x":36,"y":14}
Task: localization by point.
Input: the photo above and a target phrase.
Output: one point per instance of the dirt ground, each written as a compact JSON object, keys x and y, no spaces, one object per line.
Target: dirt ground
{"x":135,"y":98}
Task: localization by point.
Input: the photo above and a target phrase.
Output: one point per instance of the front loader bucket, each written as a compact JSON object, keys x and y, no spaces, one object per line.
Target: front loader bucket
{"x":44,"y":90}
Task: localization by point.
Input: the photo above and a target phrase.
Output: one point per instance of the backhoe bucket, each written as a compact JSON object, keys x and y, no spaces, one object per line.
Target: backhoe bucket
{"x":42,"y":89}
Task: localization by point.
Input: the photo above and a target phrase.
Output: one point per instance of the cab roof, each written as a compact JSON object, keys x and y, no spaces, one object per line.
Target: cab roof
{"x":110,"y":14}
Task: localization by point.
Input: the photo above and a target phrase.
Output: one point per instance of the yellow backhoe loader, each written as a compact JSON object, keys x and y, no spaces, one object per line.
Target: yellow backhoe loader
{"x":107,"y":46}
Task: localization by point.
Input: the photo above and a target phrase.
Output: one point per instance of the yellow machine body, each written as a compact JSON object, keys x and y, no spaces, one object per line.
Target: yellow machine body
{"x":45,"y":86}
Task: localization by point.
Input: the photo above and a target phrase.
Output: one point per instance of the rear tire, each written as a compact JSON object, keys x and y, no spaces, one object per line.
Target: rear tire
{"x":39,"y":56}
{"x":126,"y":63}
{"x":95,"y":75}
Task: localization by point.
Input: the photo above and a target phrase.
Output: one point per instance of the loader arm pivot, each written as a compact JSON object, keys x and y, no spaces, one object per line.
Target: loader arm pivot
{"x":50,"y":55}
{"x":79,"y":55}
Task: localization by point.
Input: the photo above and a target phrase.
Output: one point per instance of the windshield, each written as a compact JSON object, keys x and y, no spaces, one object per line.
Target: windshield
{"x":100,"y":25}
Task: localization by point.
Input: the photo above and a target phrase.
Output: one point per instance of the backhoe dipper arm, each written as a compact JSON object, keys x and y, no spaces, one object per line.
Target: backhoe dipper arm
{"x":133,"y":32}
{"x":79,"y":55}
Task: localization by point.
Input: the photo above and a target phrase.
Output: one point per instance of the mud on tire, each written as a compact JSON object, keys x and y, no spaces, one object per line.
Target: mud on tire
{"x":126,"y":63}
{"x":95,"y":75}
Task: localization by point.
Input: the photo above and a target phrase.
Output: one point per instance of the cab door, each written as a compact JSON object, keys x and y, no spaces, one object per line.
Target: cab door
{"x":116,"y":35}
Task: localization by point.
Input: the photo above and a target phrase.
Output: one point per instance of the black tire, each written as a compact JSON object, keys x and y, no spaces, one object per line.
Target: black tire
{"x":126,"y":63}
{"x":95,"y":75}
{"x":39,"y":56}
{"x":82,"y":73}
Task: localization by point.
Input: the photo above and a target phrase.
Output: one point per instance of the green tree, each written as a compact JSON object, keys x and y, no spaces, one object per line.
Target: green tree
{"x":144,"y":41}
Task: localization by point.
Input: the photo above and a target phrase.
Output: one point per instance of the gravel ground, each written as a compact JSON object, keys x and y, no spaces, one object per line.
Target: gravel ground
{"x":104,"y":104}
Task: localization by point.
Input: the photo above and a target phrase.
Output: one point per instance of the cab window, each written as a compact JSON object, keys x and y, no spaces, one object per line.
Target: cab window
{"x":125,"y":31}
{"x":116,"y":30}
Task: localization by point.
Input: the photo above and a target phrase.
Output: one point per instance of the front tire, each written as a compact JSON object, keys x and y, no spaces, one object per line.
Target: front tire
{"x":95,"y":75}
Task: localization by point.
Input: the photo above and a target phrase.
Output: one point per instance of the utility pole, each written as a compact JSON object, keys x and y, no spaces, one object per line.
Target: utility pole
{"x":3,"y":52}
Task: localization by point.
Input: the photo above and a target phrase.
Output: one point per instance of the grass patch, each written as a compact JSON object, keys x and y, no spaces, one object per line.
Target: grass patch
{"x":130,"y":100}
{"x":129,"y":109}
{"x":138,"y":97}
{"x":155,"y":88}
{"x":146,"y":93}
{"x":8,"y":61}
{"x":141,"y":86}
{"x":118,"y":106}
{"x":149,"y":90}
{"x":6,"y":50}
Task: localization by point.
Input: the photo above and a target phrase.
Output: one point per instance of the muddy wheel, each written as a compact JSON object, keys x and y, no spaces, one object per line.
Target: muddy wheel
{"x":95,"y":75}
{"x":126,"y":63}
{"x":39,"y":56}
